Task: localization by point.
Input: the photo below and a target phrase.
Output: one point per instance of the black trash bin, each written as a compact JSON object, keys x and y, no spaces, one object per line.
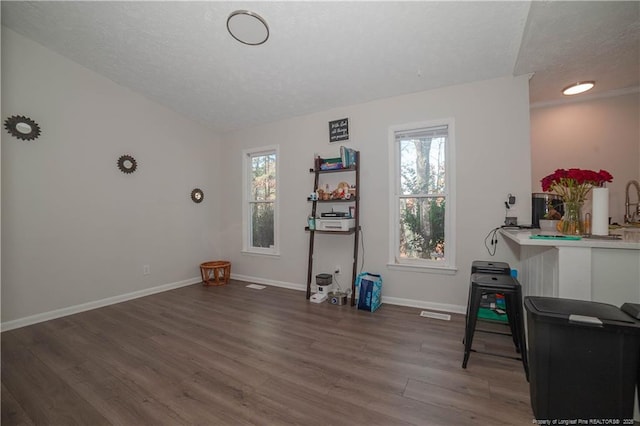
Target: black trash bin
{"x":583,"y":360}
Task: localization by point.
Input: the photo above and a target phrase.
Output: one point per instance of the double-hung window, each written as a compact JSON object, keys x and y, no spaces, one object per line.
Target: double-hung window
{"x":260,"y":210}
{"x":422,"y":200}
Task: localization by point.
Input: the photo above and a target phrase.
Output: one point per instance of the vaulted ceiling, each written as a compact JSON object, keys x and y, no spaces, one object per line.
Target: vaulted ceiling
{"x":322,"y":55}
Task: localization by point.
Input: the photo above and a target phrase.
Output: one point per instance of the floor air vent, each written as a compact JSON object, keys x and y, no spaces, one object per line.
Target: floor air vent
{"x":436,"y":315}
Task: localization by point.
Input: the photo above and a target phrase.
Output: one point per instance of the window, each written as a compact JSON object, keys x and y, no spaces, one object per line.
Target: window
{"x":422,"y":197}
{"x":260,"y":211}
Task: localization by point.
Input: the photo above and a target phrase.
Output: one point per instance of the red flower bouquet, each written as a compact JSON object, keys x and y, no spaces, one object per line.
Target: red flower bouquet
{"x":574,"y":184}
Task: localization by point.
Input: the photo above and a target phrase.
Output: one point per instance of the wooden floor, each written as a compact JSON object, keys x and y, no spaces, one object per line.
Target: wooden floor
{"x":233,"y":355}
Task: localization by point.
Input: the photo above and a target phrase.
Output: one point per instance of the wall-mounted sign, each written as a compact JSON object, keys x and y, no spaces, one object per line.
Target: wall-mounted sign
{"x":339,"y":130}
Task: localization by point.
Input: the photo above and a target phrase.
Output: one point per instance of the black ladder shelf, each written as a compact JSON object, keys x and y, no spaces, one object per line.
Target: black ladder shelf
{"x":355,"y":230}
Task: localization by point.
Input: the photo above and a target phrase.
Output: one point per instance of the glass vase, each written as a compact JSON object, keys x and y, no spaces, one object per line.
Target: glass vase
{"x":572,"y":223}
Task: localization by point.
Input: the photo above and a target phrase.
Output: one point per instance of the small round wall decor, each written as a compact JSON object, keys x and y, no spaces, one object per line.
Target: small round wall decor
{"x":127,"y":164}
{"x":22,"y":127}
{"x":197,"y":195}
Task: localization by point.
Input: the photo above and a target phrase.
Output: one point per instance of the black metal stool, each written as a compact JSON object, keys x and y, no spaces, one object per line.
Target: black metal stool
{"x":482,"y":283}
{"x":488,"y":267}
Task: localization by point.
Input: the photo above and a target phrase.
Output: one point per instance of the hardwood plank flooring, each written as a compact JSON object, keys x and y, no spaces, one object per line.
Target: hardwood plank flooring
{"x":232,"y":355}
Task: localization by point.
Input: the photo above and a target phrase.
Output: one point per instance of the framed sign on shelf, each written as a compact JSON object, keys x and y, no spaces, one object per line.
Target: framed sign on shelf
{"x":339,"y":130}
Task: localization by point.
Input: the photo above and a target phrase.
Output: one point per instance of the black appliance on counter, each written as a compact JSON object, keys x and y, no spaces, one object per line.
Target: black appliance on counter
{"x":540,"y":204}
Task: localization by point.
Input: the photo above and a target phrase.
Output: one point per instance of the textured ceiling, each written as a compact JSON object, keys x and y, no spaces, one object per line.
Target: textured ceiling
{"x":566,"y":42}
{"x":322,"y":55}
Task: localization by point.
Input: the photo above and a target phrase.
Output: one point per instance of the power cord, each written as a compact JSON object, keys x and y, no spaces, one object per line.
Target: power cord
{"x":362,"y":245}
{"x":335,"y":277}
{"x":493,"y":235}
{"x":507,"y":207}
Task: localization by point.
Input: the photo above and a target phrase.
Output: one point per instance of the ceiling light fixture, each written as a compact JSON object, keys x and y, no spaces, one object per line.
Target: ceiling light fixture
{"x":579,"y":87}
{"x":248,"y":27}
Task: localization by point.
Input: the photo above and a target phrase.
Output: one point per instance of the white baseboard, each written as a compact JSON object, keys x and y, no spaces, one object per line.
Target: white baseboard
{"x":58,"y":313}
{"x":274,"y":283}
{"x":63,"y":312}
{"x":456,"y":309}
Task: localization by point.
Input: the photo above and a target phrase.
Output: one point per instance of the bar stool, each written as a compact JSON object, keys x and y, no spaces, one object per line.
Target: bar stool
{"x":490,"y":267}
{"x":482,"y":283}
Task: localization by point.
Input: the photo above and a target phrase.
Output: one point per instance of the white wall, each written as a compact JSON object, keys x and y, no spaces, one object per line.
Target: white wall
{"x":75,"y":230}
{"x":493,"y":160}
{"x":595,"y":134}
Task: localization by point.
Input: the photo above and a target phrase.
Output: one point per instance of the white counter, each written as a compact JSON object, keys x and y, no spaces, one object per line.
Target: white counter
{"x":588,"y":269}
{"x":630,"y":239}
{"x":605,"y":271}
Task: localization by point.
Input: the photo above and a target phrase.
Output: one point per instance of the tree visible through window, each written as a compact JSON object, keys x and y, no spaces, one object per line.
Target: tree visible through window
{"x":261,"y":199}
{"x":421,"y":194}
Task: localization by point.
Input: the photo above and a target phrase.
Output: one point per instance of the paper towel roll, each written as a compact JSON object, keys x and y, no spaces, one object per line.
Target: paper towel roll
{"x":600,"y":219}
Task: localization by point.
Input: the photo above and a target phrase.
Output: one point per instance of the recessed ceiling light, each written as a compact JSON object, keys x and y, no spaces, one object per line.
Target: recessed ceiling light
{"x":248,"y":27}
{"x":578,"y":88}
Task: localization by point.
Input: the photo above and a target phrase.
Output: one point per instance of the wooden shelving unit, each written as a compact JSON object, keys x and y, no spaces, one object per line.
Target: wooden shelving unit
{"x":355,"y":230}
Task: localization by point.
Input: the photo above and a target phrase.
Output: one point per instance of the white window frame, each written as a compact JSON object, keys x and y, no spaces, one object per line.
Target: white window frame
{"x":448,"y":266}
{"x":247,"y":154}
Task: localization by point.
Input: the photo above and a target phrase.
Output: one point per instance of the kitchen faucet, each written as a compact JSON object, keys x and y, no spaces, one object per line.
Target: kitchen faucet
{"x":632,"y":216}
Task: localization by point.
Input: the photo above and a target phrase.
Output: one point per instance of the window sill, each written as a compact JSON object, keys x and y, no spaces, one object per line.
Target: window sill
{"x":442,"y":270}
{"x":260,"y":253}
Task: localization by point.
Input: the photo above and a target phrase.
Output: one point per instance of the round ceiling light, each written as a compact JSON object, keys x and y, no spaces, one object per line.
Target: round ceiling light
{"x":580,"y":87}
{"x":248,"y":27}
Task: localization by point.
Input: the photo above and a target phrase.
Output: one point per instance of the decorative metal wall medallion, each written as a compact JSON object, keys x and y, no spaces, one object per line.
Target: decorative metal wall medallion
{"x":127,"y":164}
{"x":22,"y":127}
{"x":197,"y":195}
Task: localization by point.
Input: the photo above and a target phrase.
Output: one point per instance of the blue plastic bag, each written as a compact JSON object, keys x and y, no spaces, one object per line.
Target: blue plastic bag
{"x":369,"y":291}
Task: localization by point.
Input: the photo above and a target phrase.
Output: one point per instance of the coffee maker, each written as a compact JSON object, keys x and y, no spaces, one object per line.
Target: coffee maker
{"x":541,"y":202}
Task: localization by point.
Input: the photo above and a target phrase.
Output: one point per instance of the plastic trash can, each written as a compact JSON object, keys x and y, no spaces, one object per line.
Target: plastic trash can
{"x":583,"y":360}
{"x":633,"y":309}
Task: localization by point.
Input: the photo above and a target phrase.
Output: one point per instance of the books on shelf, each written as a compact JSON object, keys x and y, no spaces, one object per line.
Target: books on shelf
{"x":347,"y":156}
{"x":346,"y":160}
{"x":331,"y":164}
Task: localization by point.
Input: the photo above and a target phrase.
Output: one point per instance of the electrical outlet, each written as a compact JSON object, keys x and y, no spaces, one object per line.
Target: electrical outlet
{"x":337,"y":269}
{"x":146,"y":270}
